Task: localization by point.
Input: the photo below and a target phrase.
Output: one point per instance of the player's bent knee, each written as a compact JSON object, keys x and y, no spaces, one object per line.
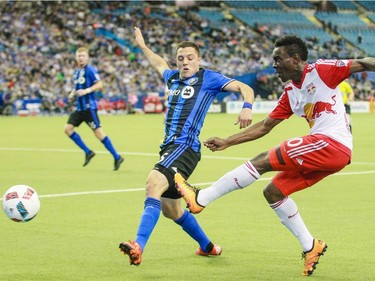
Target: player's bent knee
{"x":68,"y":131}
{"x":272,"y":193}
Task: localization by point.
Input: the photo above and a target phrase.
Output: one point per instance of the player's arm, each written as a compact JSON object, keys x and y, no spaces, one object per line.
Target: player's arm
{"x":246,"y":115}
{"x":72,"y":95}
{"x":365,"y":64}
{"x":156,"y":61}
{"x":254,"y":132}
{"x":98,"y":85}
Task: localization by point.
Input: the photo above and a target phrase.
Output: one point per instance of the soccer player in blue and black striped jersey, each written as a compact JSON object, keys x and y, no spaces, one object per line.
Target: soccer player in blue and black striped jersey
{"x":191,"y":90}
{"x":86,"y":82}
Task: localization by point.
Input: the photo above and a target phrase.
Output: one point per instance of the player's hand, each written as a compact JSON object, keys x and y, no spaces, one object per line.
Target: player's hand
{"x":81,"y":92}
{"x":139,"y":37}
{"x":215,"y":144}
{"x":72,"y":95}
{"x":245,"y":118}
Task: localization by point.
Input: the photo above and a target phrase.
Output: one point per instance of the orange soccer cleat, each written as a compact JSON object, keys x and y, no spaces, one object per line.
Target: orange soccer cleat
{"x":133,"y":250}
{"x":189,"y":193}
{"x":312,"y":257}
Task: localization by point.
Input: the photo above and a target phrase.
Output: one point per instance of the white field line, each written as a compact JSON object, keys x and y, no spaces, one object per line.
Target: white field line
{"x":153,"y":155}
{"x":195,"y":184}
{"x":22,"y":149}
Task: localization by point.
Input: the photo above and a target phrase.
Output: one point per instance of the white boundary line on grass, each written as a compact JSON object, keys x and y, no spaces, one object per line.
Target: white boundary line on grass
{"x":196,"y":184}
{"x":135,"y":153}
{"x":152,"y":155}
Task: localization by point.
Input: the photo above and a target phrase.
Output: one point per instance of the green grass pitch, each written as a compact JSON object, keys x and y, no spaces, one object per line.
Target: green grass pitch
{"x":86,"y":212}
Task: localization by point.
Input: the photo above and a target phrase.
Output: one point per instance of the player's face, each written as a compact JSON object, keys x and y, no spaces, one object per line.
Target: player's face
{"x":188,"y":62}
{"x":82,"y":58}
{"x":284,"y":64}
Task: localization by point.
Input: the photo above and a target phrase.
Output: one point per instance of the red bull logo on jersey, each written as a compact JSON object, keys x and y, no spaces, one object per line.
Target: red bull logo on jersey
{"x":314,"y":111}
{"x":311,"y":89}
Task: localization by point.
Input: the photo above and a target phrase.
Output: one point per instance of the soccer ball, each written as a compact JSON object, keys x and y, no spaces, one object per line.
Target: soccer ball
{"x":21,"y":203}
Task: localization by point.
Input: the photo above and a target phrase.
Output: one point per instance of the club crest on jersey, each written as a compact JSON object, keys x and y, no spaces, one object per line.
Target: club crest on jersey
{"x":192,"y":81}
{"x":187,"y":92}
{"x":81,"y":80}
{"x":311,"y":89}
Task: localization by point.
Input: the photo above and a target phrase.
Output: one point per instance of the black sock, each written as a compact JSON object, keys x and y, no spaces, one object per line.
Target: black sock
{"x":209,"y":247}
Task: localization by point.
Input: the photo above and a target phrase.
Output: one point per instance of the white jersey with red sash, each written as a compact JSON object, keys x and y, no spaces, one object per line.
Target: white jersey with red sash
{"x":318,"y":100}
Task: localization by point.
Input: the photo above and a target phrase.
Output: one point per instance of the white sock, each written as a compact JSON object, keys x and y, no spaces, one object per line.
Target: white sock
{"x":289,"y":215}
{"x":239,"y":178}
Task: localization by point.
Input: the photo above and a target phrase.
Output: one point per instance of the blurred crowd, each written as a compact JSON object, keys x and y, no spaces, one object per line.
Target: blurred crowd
{"x":38,"y":41}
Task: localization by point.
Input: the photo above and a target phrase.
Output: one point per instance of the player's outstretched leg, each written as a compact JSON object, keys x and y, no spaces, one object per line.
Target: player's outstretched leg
{"x":189,"y":193}
{"x":133,"y":250}
{"x":312,"y":257}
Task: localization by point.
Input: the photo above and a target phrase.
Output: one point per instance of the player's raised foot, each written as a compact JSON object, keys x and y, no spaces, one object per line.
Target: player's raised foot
{"x":189,"y":193}
{"x":216,"y":251}
{"x":88,"y":158}
{"x":312,"y":257}
{"x":133,"y":250}
{"x":118,"y":163}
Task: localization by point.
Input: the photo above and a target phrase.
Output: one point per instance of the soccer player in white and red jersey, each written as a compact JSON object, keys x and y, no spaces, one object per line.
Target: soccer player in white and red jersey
{"x":311,"y":92}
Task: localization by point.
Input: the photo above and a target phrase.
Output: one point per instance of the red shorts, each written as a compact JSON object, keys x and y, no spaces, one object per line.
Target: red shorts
{"x":306,"y":160}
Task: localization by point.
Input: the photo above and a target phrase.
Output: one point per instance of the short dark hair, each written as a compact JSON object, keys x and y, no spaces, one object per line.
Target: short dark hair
{"x":293,"y":45}
{"x":185,"y":44}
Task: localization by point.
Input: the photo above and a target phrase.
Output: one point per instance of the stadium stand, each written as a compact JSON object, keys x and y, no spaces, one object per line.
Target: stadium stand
{"x":352,"y":28}
{"x":255,"y":5}
{"x":38,"y":40}
{"x":345,"y":5}
{"x":368,"y":5}
{"x":297,"y":4}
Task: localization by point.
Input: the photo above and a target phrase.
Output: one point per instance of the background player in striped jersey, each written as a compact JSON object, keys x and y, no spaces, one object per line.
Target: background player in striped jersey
{"x":311,"y":93}
{"x":86,"y":82}
{"x":191,"y":90}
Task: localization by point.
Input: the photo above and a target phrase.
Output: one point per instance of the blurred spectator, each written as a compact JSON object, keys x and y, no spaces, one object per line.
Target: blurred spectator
{"x":38,"y":40}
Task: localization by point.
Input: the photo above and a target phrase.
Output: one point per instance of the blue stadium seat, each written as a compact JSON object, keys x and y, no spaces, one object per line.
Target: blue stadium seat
{"x":368,"y":5}
{"x":345,"y":5}
{"x":271,"y":5}
{"x":297,"y":4}
{"x":340,"y":19}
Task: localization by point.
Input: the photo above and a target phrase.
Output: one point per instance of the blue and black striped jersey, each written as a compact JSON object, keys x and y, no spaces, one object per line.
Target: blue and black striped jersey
{"x":188,"y":103}
{"x":83,"y":79}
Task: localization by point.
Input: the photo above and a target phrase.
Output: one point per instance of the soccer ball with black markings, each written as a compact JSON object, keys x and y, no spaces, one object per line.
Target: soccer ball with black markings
{"x":21,"y":203}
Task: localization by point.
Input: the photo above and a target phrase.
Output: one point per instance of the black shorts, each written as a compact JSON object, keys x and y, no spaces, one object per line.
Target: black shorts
{"x":347,"y":108}
{"x":176,"y":158}
{"x":90,"y":116}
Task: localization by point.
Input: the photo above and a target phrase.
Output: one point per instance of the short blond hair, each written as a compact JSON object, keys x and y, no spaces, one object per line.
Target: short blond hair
{"x":82,"y":49}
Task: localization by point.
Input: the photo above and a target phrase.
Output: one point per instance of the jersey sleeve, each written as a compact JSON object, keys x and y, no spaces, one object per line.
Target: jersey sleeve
{"x":333,"y":72}
{"x":216,"y":81}
{"x":92,"y":74}
{"x":283,"y":109}
{"x":168,"y":74}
